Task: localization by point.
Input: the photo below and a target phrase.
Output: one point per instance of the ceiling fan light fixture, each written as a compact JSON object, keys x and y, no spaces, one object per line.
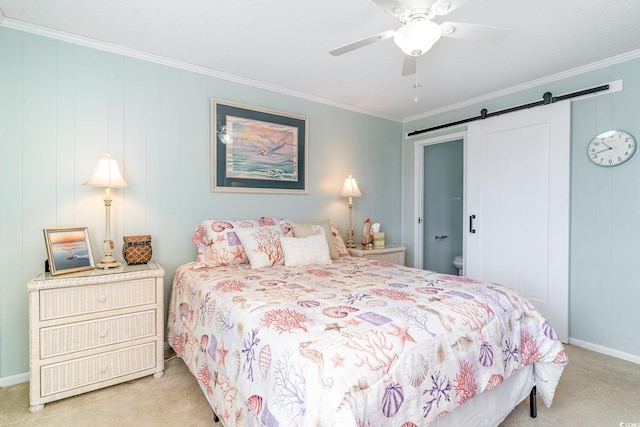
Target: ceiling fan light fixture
{"x":417,"y":37}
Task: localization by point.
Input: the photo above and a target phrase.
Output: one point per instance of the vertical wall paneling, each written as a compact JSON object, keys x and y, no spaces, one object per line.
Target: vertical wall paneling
{"x":12,"y":349}
{"x":62,"y":106}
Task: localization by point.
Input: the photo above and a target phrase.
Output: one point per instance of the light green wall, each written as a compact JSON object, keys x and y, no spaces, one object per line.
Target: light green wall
{"x":604,"y":289}
{"x":62,"y":106}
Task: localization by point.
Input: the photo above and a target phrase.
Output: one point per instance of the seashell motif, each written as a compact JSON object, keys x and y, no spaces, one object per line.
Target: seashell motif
{"x":219,"y":226}
{"x":376,"y":303}
{"x":398,"y":285}
{"x":409,"y":424}
{"x":418,"y":370}
{"x":233,"y":362}
{"x":253,"y":277}
{"x":392,"y":399}
{"x":561,"y":357}
{"x":285,"y":227}
{"x":548,"y":331}
{"x":255,"y":404}
{"x":213,"y":346}
{"x":324,"y":295}
{"x":270,"y":282}
{"x":494,"y":380}
{"x":338,"y":312}
{"x":264,"y":360}
{"x":246,"y":224}
{"x":486,"y":354}
{"x":267,"y":418}
{"x":184,"y":310}
{"x":429,"y":291}
{"x":308,"y":303}
{"x":204,"y":342}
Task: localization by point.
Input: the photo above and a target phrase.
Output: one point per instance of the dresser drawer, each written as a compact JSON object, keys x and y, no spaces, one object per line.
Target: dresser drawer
{"x":71,"y":301}
{"x":60,"y":377}
{"x":67,"y":338}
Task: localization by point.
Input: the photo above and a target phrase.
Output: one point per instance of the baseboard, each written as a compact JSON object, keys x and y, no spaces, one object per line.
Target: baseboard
{"x":14,"y":379}
{"x":605,"y":350}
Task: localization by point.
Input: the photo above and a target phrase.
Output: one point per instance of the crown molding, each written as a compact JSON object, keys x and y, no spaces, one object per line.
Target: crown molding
{"x":157,"y":59}
{"x":528,"y":85}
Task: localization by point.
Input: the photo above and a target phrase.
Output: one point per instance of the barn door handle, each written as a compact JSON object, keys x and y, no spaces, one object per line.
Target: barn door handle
{"x":471,"y":229}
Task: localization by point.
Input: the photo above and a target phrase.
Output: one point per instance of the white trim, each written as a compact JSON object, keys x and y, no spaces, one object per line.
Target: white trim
{"x":528,"y":85}
{"x":14,"y":379}
{"x":108,"y":47}
{"x":605,"y":350}
{"x":132,"y":53}
{"x":418,"y":200}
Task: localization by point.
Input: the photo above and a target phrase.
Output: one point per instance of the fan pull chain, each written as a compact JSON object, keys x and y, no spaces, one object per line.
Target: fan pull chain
{"x":416,"y":85}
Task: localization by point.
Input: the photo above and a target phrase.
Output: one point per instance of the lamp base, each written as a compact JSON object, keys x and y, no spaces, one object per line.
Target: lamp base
{"x":108,"y":264}
{"x":350,"y":243}
{"x":108,"y":261}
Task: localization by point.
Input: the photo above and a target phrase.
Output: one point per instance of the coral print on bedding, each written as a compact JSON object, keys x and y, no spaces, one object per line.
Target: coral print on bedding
{"x":352,"y":343}
{"x":219,"y":244}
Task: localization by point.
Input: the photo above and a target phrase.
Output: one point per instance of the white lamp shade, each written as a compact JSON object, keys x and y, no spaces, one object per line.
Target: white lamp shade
{"x":350,"y":188}
{"x":417,"y":37}
{"x":106,"y":174}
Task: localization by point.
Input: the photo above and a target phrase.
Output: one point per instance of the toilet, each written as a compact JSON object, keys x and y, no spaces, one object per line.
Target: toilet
{"x":457,"y":262}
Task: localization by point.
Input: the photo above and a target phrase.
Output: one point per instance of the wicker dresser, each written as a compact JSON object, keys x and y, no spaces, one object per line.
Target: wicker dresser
{"x":93,"y":329}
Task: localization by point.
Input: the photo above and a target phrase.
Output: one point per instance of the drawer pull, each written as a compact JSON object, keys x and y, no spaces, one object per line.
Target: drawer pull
{"x":103,"y":333}
{"x":102,"y":298}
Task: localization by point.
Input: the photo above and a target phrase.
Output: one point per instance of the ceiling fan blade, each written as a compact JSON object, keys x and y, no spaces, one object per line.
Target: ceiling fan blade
{"x":409,"y":65}
{"x":363,"y":42}
{"x":481,"y":33}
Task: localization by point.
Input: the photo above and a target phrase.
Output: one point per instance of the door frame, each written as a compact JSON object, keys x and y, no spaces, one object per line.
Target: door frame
{"x":418,"y":199}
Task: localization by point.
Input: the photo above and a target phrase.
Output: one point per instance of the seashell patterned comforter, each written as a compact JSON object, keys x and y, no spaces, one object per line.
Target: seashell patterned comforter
{"x":354,"y":343}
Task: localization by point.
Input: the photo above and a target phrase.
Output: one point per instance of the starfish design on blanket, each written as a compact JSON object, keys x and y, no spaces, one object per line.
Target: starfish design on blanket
{"x":402,"y":333}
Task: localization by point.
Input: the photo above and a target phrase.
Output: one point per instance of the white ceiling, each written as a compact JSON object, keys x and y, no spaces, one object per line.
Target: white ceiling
{"x":283,"y":45}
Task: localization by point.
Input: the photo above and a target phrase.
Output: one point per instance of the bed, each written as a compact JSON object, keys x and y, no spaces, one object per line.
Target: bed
{"x":344,"y":341}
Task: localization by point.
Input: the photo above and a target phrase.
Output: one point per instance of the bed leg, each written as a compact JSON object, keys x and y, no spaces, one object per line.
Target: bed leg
{"x":215,"y":418}
{"x":533,"y":403}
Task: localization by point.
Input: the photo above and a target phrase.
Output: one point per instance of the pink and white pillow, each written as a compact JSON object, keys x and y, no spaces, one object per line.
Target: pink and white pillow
{"x":262,"y":245}
{"x":218,"y":243}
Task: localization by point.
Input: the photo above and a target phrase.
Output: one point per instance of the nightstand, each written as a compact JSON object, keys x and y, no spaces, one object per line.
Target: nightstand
{"x":93,"y":329}
{"x":393,"y":254}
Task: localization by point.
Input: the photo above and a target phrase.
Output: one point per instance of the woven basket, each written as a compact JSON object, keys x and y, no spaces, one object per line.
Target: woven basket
{"x":137,"y":249}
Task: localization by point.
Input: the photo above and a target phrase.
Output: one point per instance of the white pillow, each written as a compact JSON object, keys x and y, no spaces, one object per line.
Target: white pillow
{"x":306,"y":250}
{"x":262,"y":245}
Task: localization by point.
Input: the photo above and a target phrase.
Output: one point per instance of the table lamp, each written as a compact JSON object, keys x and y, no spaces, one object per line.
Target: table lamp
{"x":350,"y":189}
{"x":107,"y":174}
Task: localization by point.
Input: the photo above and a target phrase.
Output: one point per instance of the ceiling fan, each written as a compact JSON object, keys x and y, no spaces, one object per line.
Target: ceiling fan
{"x":419,"y":31}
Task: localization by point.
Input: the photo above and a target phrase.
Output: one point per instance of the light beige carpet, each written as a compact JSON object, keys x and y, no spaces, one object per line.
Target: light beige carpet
{"x":595,"y":390}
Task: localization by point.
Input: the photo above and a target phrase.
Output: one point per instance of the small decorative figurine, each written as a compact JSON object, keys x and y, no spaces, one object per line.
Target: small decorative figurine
{"x":367,"y":238}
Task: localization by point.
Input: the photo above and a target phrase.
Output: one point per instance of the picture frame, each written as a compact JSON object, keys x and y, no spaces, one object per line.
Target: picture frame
{"x":258,"y":150}
{"x":68,"y":250}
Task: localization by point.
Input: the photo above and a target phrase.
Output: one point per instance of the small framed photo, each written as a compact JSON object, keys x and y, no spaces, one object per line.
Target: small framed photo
{"x":68,"y":249}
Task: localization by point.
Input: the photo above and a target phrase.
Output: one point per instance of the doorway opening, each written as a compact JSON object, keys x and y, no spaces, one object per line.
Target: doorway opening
{"x":440,"y":204}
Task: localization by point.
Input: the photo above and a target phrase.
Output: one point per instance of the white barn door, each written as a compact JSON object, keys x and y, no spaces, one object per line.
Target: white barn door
{"x":518,"y":206}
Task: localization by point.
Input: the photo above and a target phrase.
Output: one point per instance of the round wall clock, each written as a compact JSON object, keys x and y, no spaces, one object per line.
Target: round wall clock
{"x":611,"y":148}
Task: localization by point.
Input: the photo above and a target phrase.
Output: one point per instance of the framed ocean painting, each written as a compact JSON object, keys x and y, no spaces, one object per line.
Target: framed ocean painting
{"x":257,"y":150}
{"x":68,"y":249}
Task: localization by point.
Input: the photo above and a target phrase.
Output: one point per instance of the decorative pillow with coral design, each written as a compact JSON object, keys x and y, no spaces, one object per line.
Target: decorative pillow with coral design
{"x":262,"y":245}
{"x":337,"y":239}
{"x":218,"y":243}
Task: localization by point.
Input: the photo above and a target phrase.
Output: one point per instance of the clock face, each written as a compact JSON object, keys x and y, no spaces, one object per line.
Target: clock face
{"x":611,"y":148}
